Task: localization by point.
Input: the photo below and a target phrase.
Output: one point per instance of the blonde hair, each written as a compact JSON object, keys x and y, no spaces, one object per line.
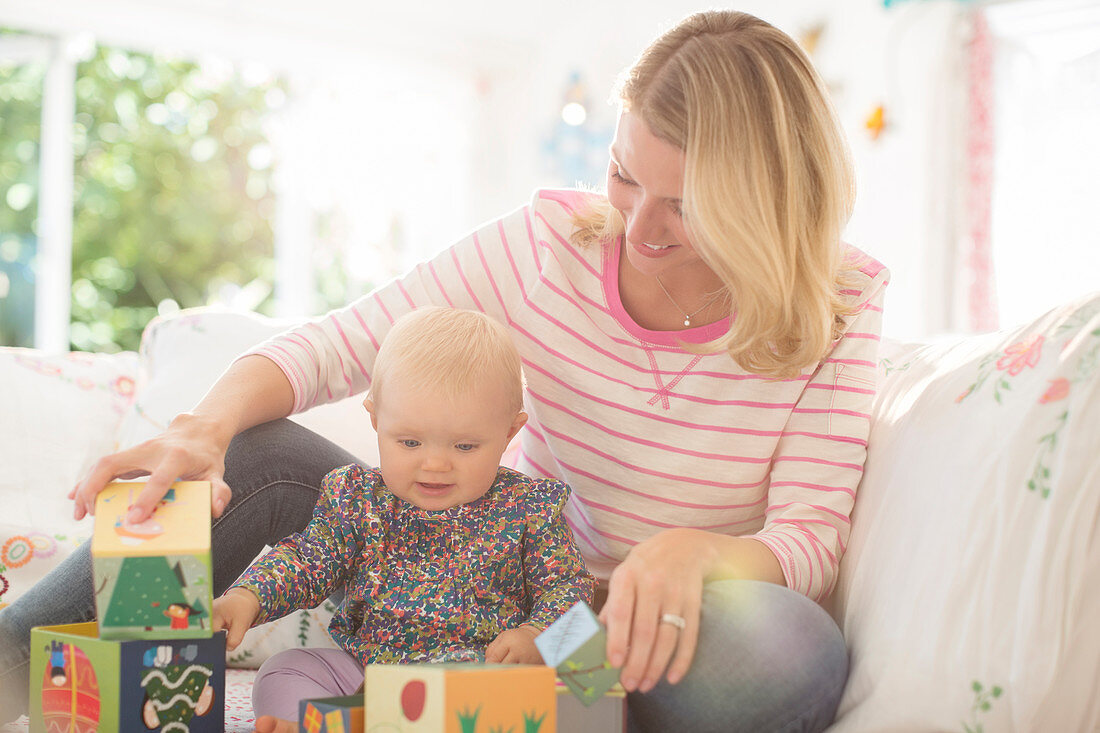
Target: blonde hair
{"x":452,"y":349}
{"x":768,"y":181}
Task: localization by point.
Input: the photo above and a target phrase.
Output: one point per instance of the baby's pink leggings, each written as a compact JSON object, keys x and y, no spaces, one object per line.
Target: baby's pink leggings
{"x":302,"y":674}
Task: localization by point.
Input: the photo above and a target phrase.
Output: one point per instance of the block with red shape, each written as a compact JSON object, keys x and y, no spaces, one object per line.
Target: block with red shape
{"x":331,"y":715}
{"x":460,"y":698}
{"x":82,"y":683}
{"x":153,"y":580}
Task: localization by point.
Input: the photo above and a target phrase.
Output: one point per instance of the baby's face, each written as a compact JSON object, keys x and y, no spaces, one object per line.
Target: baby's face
{"x":437,"y":452}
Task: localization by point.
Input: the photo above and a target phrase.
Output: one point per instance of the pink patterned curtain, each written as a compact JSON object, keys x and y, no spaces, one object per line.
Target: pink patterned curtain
{"x":981,"y":308}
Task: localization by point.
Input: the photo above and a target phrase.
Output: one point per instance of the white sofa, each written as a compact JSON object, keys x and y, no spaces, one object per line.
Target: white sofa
{"x":970,"y":592}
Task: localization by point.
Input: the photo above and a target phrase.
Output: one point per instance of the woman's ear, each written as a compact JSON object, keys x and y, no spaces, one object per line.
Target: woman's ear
{"x":519,"y":422}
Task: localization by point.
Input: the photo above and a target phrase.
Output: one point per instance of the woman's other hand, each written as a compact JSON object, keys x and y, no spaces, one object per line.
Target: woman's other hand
{"x":514,"y":646}
{"x":190,"y":449}
{"x":662,"y":578}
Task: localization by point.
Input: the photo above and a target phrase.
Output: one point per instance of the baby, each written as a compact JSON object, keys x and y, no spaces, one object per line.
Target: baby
{"x":444,"y":555}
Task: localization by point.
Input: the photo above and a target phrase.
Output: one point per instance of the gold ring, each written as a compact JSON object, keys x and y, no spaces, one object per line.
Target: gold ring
{"x":673,"y":620}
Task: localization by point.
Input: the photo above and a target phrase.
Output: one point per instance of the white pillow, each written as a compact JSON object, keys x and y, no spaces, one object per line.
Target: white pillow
{"x":970,"y":591}
{"x":60,"y":414}
{"x":184,"y":354}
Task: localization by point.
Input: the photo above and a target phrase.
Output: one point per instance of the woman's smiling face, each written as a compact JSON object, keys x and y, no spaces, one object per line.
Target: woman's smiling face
{"x":645,"y":181}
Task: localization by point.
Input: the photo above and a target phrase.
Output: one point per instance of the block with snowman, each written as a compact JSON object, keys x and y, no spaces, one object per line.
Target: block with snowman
{"x":83,"y":683}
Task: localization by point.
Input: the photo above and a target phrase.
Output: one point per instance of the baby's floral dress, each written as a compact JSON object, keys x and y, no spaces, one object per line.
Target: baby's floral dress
{"x":426,"y":585}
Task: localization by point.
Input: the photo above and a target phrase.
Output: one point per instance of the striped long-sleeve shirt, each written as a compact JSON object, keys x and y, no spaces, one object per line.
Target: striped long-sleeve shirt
{"x":649,"y":435}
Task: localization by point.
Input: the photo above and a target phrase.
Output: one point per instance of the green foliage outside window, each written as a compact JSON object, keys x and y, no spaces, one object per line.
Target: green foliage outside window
{"x":172,"y":188}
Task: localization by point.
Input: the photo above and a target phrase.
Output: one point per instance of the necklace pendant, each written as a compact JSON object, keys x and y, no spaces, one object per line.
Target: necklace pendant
{"x":687,"y":321}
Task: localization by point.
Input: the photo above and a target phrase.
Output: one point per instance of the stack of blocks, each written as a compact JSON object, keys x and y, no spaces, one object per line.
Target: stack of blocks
{"x":151,"y":662}
{"x":488,"y":698}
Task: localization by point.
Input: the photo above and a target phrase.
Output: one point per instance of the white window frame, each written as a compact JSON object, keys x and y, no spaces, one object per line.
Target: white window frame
{"x":53,"y":258}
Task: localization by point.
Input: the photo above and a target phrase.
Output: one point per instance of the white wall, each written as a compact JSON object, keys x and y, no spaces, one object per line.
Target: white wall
{"x":867,"y":54}
{"x":465,"y":137}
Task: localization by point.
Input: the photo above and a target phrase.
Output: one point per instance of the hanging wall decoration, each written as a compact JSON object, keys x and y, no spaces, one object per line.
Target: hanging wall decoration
{"x":576,"y":147}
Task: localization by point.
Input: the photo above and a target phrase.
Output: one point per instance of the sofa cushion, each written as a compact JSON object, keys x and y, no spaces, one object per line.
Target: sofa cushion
{"x":183,"y":354}
{"x":61,"y":413}
{"x":970,"y":589}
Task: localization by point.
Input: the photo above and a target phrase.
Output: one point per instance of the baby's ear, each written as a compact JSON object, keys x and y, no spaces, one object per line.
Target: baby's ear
{"x":368,"y":403}
{"x":519,"y":422}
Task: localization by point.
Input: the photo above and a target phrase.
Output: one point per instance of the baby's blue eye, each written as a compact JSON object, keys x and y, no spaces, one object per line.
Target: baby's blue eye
{"x":465,"y":447}
{"x":410,"y":443}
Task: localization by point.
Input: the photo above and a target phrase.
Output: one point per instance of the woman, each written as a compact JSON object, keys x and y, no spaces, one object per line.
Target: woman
{"x":699,"y":350}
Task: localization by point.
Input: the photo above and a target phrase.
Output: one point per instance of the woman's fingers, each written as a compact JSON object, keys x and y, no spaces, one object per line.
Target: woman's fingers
{"x":105,"y":470}
{"x":643,"y":636}
{"x":170,"y":468}
{"x":164,"y":465}
{"x":667,"y":641}
{"x":618,"y":615}
{"x":688,"y":638}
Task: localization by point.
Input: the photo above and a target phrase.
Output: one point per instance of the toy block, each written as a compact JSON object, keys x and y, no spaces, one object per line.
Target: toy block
{"x":331,"y":715}
{"x":575,"y":646}
{"x":460,"y":698}
{"x":82,"y":683}
{"x":153,"y":580}
{"x":606,"y":714}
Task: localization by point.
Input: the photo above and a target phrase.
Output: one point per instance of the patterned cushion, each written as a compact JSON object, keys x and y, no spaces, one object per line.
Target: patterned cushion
{"x":970,"y":589}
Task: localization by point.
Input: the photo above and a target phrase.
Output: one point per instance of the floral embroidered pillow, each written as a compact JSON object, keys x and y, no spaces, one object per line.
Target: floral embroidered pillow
{"x":970,"y":589}
{"x":61,"y":413}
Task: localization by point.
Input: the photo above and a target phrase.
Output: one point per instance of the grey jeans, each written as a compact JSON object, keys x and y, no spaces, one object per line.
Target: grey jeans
{"x":768,"y":659}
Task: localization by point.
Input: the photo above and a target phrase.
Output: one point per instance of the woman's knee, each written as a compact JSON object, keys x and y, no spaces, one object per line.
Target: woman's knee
{"x":771,"y":621}
{"x":767,"y":658}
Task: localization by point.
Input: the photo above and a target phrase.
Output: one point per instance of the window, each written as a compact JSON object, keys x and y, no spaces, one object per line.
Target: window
{"x":165,"y":166}
{"x":1046,"y":246}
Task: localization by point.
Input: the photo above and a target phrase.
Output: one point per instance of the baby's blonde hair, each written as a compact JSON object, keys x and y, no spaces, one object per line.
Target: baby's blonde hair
{"x":768,"y":181}
{"x":449,"y":349}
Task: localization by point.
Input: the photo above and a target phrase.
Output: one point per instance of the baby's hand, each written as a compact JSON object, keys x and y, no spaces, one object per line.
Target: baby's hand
{"x":515,"y":646}
{"x":235,"y":612}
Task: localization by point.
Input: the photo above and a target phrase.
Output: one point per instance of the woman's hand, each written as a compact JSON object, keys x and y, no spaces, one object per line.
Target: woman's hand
{"x":514,"y":646}
{"x":662,"y":575}
{"x":253,"y":390}
{"x":190,"y":449}
{"x":665,"y":575}
{"x":235,"y":611}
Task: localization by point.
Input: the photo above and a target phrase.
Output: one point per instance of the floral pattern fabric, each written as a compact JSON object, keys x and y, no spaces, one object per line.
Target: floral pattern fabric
{"x":424,"y":585}
{"x":976,"y":527}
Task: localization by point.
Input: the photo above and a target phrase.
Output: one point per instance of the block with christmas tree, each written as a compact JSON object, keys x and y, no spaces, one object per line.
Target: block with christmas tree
{"x":575,"y":646}
{"x":460,"y":698}
{"x":331,"y":715}
{"x":81,"y":683}
{"x":153,"y":579}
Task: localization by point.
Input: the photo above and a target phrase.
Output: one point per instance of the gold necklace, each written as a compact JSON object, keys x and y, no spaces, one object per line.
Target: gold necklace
{"x":688,"y":316}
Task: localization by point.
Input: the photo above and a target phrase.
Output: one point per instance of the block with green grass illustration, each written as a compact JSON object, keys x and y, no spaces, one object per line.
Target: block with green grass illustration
{"x":80,"y":683}
{"x":575,"y":646}
{"x":607,"y":714}
{"x":153,"y":580}
{"x":331,"y":715}
{"x":459,"y":698}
